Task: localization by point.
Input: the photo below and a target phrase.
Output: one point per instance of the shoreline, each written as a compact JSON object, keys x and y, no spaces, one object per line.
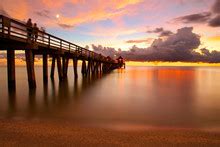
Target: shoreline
{"x":47,"y":132}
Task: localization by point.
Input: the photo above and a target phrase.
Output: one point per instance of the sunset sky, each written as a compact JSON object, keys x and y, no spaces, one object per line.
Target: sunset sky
{"x":125,"y":23}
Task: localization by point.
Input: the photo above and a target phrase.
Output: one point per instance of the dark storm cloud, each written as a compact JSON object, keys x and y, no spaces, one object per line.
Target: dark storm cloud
{"x":156,"y":30}
{"x":65,"y":26}
{"x":3,"y":55}
{"x":21,"y":56}
{"x":216,"y":7}
{"x":43,"y":13}
{"x":161,"y":32}
{"x":211,"y":17}
{"x":195,"y":18}
{"x":213,"y":56}
{"x":106,"y":51}
{"x":180,"y":46}
{"x":215,"y":22}
{"x":165,"y":33}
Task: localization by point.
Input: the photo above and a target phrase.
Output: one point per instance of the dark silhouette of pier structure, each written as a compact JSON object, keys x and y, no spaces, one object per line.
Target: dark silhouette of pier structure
{"x":14,"y":36}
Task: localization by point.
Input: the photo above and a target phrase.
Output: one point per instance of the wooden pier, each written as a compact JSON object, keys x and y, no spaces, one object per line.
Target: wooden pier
{"x":14,"y":36}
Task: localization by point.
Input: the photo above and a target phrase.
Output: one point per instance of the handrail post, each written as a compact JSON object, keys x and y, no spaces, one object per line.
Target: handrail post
{"x":81,"y":51}
{"x":3,"y":26}
{"x":49,"y":41}
{"x":1,"y":17}
{"x":77,"y":50}
{"x":60,"y":44}
{"x":6,"y":22}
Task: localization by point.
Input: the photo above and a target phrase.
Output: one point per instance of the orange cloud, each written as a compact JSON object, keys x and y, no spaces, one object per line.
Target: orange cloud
{"x":52,"y":4}
{"x":18,"y":10}
{"x":88,"y":11}
{"x":99,"y":11}
{"x":214,"y":38}
{"x":123,"y":3}
{"x":60,"y":3}
{"x":148,"y":40}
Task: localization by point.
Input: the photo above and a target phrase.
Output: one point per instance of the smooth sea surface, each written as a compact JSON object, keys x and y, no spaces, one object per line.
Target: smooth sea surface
{"x":176,"y":97}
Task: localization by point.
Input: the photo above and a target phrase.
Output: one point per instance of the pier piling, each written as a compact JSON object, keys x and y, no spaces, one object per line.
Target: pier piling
{"x":65,"y":67}
{"x":30,"y":68}
{"x":11,"y":68}
{"x":45,"y":68}
{"x":52,"y":67}
{"x":83,"y":70}
{"x":75,"y":61}
{"x":59,"y":68}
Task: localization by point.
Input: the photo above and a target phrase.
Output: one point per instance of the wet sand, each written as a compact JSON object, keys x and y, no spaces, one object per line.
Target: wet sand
{"x":34,"y":132}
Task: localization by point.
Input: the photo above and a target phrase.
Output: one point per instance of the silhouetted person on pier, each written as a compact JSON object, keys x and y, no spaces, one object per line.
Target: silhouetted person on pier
{"x":29,"y":28}
{"x":35,"y":32}
{"x":43,"y":32}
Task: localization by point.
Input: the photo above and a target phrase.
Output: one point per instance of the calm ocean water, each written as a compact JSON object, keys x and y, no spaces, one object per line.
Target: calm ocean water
{"x":151,"y":96}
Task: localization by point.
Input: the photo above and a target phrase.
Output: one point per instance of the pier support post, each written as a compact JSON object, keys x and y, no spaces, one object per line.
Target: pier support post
{"x":65,"y":66}
{"x":30,"y":68}
{"x":63,"y":63}
{"x":11,"y":69}
{"x":100,"y":67}
{"x":83,"y":70}
{"x":103,"y":67}
{"x":52,"y":68}
{"x":59,"y":68}
{"x":88,"y":67}
{"x":75,"y":61}
{"x":97,"y":67}
{"x":93,"y":66}
{"x":45,"y":68}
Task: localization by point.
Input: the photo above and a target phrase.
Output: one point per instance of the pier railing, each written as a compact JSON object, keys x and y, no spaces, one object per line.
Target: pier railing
{"x":17,"y":30}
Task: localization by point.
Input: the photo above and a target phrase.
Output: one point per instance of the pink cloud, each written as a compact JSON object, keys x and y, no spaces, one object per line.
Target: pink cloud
{"x":99,"y":10}
{"x":78,"y":12}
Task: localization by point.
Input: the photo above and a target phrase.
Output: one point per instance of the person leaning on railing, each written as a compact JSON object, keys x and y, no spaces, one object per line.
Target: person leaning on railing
{"x":43,"y":30}
{"x":35,"y":32}
{"x":29,"y":29}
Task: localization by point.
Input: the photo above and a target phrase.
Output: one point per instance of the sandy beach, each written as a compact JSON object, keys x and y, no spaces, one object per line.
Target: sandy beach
{"x":29,"y":133}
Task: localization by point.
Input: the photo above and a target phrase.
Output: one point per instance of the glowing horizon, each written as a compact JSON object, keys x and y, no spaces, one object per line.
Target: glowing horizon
{"x":38,"y":62}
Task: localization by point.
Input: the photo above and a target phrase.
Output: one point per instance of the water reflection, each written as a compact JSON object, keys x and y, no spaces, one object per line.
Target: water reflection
{"x":54,"y":98}
{"x":45,"y":93}
{"x":32,"y":102}
{"x":175,"y":93}
{"x":11,"y":102}
{"x":149,"y":95}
